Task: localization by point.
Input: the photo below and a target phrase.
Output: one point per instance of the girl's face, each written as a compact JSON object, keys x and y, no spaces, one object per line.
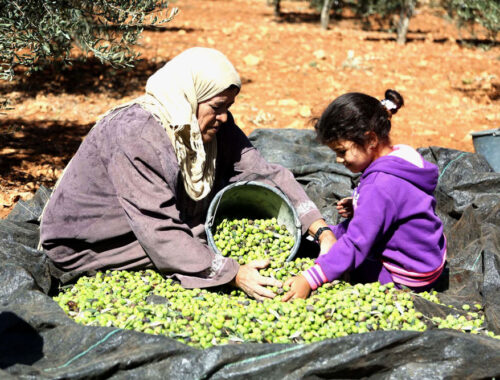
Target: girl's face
{"x":354,"y":157}
{"x":212,"y":113}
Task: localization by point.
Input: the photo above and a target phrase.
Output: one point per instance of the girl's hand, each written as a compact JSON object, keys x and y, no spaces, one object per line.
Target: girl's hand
{"x":345,"y":208}
{"x":252,"y":283}
{"x":299,"y":288}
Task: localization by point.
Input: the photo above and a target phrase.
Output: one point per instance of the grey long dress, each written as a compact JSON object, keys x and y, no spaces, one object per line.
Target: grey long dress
{"x":121,"y":203}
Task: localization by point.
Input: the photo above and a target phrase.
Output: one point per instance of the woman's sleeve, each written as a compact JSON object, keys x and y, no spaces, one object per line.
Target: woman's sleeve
{"x":136,"y":173}
{"x":252,"y":166}
{"x":372,"y":219}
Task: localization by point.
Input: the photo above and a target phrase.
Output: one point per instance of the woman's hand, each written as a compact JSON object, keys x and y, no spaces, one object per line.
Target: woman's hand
{"x":345,"y":208}
{"x":326,"y":238}
{"x":252,"y":283}
{"x":326,"y":242}
{"x":299,"y":288}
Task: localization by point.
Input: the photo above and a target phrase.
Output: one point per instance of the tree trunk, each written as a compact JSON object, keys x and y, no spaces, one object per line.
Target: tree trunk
{"x":404,"y":20}
{"x":325,"y":13}
{"x":277,"y":8}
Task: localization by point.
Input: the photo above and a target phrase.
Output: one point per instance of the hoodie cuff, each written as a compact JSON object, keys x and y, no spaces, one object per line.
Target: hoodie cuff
{"x":315,"y":277}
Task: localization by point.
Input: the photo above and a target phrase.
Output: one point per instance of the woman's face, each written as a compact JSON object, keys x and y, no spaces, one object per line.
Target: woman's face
{"x":212,"y":113}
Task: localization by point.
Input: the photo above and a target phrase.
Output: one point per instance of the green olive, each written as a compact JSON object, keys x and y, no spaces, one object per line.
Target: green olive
{"x":147,"y":302}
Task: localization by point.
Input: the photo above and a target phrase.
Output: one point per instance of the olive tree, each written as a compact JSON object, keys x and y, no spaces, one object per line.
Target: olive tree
{"x":470,"y":13}
{"x":36,"y":33}
{"x":383,"y":9}
{"x":277,"y":7}
{"x":325,"y":12}
{"x":276,"y":4}
{"x":405,"y":9}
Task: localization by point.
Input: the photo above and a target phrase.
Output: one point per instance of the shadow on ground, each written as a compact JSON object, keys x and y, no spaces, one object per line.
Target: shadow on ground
{"x":467,"y":42}
{"x":84,"y":77}
{"x":37,"y":142}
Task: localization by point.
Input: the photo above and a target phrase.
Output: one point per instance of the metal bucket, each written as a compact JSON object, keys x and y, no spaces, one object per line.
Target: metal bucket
{"x":487,"y":143}
{"x":252,"y":200}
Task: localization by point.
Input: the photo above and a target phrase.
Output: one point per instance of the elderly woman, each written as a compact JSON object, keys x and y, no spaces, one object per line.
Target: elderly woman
{"x":136,"y":193}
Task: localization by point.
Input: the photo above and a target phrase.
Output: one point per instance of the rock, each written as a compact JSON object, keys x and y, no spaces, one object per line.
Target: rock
{"x":251,"y":60}
{"x":288,"y":102}
{"x":319,"y":54}
{"x":290,"y":111}
{"x":295,"y":125}
{"x":467,"y":137}
{"x":305,"y":111}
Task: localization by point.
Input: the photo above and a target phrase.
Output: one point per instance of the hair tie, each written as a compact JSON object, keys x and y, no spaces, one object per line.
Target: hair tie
{"x":389,"y":104}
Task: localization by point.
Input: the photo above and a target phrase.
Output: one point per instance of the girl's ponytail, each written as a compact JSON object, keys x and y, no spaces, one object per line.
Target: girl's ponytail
{"x":392,"y":102}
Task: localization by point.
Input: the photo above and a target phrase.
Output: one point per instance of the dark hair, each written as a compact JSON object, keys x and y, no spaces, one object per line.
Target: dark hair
{"x":353,"y":114}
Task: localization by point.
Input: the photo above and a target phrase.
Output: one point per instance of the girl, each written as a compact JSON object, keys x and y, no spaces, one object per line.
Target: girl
{"x":392,"y":233}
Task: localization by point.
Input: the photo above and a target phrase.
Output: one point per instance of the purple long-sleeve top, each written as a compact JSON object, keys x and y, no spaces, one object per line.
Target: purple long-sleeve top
{"x":394,"y":222}
{"x":121,"y":203}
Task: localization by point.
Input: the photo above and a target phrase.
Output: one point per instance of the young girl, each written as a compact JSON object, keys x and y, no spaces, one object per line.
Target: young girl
{"x":392,"y":233}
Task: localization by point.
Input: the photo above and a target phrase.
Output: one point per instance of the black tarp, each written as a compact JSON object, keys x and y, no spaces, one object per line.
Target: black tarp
{"x":38,"y":340}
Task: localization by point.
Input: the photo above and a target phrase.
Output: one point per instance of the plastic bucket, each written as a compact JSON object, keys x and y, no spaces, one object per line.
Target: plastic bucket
{"x":487,"y":143}
{"x":252,"y":200}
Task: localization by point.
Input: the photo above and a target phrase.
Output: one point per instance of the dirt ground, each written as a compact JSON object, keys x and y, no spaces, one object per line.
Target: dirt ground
{"x":290,"y":68}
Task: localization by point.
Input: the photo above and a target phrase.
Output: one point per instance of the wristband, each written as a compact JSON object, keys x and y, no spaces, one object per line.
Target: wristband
{"x":319,"y":232}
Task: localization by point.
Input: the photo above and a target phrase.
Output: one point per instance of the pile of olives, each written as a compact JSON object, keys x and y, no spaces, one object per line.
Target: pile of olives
{"x":246,"y":240}
{"x":145,"y":301}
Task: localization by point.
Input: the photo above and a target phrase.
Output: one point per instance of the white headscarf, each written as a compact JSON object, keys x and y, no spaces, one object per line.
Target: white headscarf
{"x":172,"y":96}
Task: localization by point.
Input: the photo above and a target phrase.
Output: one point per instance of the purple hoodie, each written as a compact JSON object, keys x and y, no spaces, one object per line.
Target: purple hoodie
{"x":394,"y":222}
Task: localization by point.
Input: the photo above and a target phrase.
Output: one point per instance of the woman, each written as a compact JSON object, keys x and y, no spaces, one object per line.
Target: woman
{"x":135,"y":194}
